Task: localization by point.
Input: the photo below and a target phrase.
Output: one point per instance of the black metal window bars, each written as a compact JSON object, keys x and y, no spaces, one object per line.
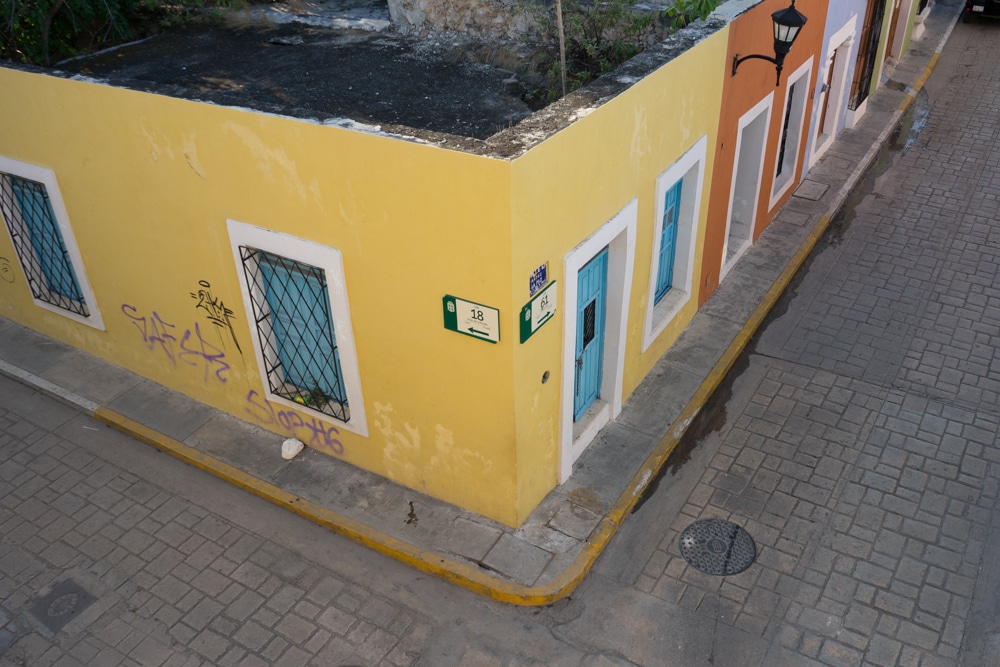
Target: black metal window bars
{"x":41,"y":250}
{"x":297,"y":339}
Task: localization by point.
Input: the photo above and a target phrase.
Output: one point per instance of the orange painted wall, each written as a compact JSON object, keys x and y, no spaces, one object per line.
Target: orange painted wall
{"x":752,"y":32}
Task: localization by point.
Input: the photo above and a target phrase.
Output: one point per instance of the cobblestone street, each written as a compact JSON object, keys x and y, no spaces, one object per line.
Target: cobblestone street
{"x":859,"y":449}
{"x":176,"y":583}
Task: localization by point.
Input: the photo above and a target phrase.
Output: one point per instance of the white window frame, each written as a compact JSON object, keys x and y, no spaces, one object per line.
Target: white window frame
{"x":331,"y":261}
{"x":47,"y":177}
{"x":796,"y":129}
{"x":691,"y":168}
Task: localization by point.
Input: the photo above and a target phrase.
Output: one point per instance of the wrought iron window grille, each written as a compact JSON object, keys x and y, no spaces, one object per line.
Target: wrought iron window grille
{"x":864,"y":69}
{"x":291,"y":310}
{"x":31,"y":221}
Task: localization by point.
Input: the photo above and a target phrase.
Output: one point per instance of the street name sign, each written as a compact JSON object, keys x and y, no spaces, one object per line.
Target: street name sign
{"x":472,"y":319}
{"x":538,"y":311}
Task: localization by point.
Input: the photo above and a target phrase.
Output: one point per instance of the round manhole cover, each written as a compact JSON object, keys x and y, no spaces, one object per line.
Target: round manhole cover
{"x":64,"y":604}
{"x":717,"y":547}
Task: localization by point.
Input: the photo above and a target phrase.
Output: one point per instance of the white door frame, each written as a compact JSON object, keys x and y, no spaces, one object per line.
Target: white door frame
{"x":761,"y":108}
{"x":618,"y":235}
{"x":841,"y":43}
{"x":895,"y":50}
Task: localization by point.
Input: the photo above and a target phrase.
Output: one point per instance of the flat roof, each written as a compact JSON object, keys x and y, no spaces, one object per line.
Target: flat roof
{"x":347,"y":68}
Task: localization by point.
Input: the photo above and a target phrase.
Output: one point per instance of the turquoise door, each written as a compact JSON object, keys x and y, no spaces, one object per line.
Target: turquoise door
{"x":592,"y":282}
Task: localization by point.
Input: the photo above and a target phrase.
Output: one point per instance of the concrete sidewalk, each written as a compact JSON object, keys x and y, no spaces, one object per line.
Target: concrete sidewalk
{"x":549,"y":555}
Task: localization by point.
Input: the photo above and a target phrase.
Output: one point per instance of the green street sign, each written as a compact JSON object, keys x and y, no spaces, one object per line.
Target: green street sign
{"x":472,"y":319}
{"x":538,"y":311}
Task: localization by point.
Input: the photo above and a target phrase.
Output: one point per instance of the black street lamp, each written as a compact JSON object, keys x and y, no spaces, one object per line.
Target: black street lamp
{"x":787,"y":24}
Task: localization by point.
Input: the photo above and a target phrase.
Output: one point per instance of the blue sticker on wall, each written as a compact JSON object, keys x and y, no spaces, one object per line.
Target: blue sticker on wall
{"x":539,"y":278}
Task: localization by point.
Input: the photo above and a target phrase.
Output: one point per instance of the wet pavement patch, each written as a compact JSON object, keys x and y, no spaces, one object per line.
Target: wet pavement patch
{"x":65,"y":602}
{"x":717,"y":547}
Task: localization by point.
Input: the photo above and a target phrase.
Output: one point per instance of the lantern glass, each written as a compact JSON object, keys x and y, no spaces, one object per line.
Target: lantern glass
{"x":787,"y":24}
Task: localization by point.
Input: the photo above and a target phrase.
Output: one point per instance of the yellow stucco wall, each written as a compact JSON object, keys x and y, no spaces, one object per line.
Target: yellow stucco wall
{"x":570,"y":185}
{"x":149,"y":183}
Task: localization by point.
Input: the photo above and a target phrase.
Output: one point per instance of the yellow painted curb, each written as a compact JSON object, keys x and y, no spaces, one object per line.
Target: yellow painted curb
{"x":463,"y":574}
{"x":919,"y":83}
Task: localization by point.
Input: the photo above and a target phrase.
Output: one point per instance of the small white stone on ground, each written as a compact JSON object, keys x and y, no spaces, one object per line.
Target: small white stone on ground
{"x":290,"y":448}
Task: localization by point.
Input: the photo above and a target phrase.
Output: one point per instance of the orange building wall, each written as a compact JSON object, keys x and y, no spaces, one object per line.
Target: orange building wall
{"x":752,"y":32}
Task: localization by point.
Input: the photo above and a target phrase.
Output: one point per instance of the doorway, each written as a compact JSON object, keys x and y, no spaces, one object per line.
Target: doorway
{"x":747,"y":172}
{"x":598,"y":279}
{"x":833,"y":91}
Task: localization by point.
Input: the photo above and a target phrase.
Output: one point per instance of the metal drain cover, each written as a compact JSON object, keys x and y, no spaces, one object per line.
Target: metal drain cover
{"x":717,"y":547}
{"x":66,"y":601}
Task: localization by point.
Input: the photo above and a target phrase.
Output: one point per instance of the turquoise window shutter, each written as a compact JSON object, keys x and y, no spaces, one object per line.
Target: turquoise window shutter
{"x":305,"y":340}
{"x":668,"y":242}
{"x":46,"y":239}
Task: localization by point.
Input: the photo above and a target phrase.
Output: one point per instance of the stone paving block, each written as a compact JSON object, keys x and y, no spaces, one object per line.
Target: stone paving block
{"x":336,"y":620}
{"x":245,"y":604}
{"x":324,"y":590}
{"x":210,"y":644}
{"x":150,"y":652}
{"x":223,"y":626}
{"x":202,"y":556}
{"x":253,"y":635}
{"x":163,"y":410}
{"x":379,"y":612}
{"x":883,"y":651}
{"x":517,"y":560}
{"x":471,"y":538}
{"x":284,"y":599}
{"x":337,"y":652}
{"x":233,"y":441}
{"x":274,"y":649}
{"x":293,"y":657}
{"x":894,"y":604}
{"x":202,"y":613}
{"x":318,"y":640}
{"x":87,"y":376}
{"x":210,"y":582}
{"x":295,"y":628}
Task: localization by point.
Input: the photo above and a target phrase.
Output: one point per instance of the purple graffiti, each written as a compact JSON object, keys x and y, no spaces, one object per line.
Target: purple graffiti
{"x":193,"y":349}
{"x":204,"y":354}
{"x":154,"y":331}
{"x":311,"y":431}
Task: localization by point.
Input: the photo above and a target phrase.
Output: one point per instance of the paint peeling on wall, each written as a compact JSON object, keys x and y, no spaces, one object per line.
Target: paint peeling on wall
{"x":402,"y":448}
{"x":454,"y":462}
{"x":191,"y":156}
{"x":273,"y":162}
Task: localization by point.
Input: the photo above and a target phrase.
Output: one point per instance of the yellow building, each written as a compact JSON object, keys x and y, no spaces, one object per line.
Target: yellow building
{"x":459,"y":321}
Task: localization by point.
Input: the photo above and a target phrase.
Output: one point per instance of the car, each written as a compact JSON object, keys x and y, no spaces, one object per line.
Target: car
{"x":989,"y":8}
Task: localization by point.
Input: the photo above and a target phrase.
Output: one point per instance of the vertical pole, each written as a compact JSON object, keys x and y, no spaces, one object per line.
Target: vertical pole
{"x":562,"y":44}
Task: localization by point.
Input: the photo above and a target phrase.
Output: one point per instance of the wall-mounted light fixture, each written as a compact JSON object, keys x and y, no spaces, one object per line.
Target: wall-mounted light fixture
{"x":787,"y":24}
